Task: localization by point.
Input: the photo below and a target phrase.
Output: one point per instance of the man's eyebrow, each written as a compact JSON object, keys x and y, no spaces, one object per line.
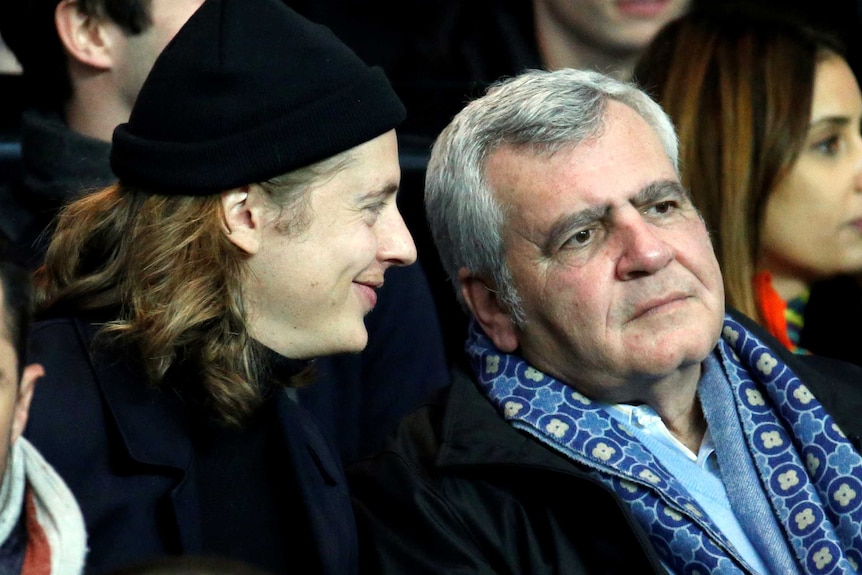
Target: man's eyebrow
{"x":654,"y":191}
{"x":385,"y":190}
{"x":563,"y":226}
{"x":658,"y":190}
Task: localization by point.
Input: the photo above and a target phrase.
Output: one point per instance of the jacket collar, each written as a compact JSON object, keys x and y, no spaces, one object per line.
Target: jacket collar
{"x":474,"y":433}
{"x":151,"y":423}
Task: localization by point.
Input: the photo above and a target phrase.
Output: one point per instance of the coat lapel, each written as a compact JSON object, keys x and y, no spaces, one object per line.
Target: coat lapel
{"x":153,"y":427}
{"x":323,"y":488}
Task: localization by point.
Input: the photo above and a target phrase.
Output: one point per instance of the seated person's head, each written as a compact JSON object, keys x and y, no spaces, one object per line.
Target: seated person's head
{"x":556,"y":204}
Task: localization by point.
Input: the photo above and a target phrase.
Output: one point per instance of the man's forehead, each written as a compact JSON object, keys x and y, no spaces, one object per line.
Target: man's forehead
{"x":519,"y":176}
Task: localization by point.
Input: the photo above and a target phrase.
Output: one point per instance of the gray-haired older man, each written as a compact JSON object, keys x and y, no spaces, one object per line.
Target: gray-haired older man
{"x":617,"y":418}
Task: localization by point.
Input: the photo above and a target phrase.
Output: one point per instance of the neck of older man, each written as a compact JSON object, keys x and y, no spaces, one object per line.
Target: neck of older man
{"x":673,"y":396}
{"x":675,"y":400}
{"x":686,"y":422}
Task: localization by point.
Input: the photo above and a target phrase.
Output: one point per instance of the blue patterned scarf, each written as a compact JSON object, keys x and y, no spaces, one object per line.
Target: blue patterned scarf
{"x":809,"y":472}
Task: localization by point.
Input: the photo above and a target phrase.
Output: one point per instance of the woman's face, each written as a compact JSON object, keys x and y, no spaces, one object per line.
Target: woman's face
{"x":813,"y":218}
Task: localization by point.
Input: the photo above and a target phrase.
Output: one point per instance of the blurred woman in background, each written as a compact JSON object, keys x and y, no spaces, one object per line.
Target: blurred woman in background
{"x":768,"y":113}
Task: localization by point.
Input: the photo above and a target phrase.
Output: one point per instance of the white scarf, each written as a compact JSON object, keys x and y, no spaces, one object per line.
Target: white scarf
{"x":56,"y":508}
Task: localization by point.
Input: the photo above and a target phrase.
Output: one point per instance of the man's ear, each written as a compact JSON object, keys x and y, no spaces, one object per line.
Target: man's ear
{"x":29,"y":376}
{"x":488,"y":311}
{"x":87,"y":38}
{"x":242,"y":222}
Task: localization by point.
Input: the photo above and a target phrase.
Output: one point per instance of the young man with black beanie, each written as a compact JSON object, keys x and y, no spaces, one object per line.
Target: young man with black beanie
{"x":79,"y":88}
{"x":253,"y":222}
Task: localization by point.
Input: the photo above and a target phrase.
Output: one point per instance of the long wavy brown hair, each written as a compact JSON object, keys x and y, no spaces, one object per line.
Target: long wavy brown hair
{"x":738,"y":83}
{"x":162,"y":271}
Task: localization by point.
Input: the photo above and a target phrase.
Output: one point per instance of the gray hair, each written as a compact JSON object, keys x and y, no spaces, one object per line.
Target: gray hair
{"x":538,"y":111}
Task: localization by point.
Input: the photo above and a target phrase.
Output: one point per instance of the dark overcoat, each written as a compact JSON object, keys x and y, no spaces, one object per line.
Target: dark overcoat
{"x":124,"y":449}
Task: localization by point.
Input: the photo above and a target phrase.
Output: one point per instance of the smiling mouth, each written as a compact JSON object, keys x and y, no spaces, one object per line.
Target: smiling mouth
{"x":370,"y":285}
{"x":369,"y":289}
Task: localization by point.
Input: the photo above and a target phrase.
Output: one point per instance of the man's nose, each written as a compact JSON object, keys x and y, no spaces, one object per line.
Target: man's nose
{"x":642,"y":249}
{"x":395,"y":243}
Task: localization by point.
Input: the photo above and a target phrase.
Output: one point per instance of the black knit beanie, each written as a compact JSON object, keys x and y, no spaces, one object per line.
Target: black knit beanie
{"x":248,"y":90}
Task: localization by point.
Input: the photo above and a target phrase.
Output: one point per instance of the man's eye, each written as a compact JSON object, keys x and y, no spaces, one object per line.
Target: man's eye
{"x":582,"y":237}
{"x":663,"y":207}
{"x":376,"y":208}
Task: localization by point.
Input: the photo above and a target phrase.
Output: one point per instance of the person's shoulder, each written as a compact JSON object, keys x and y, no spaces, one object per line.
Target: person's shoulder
{"x":66,"y":410}
{"x":810,"y":366}
{"x":64,"y":346}
{"x":417,"y":438}
{"x":54,"y":323}
{"x":406,"y":467}
{"x":837,"y":384}
{"x":455,"y":428}
{"x":60,"y":332}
